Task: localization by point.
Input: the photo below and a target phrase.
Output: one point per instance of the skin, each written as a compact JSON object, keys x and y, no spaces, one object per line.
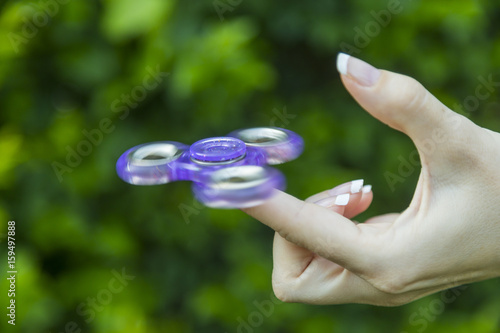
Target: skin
{"x":448,"y":236}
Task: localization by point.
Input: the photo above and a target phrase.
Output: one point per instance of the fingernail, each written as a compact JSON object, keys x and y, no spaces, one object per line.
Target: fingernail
{"x":356,"y":185}
{"x":362,"y":72}
{"x":349,"y":187}
{"x":340,"y":200}
{"x":343,"y":199}
{"x":366,"y":189}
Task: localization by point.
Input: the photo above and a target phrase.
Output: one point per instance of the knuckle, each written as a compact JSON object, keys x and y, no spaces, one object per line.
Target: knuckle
{"x":411,"y":95}
{"x":283,"y":292}
{"x":397,"y":300}
{"x":296,"y":223}
{"x":302,"y":212}
{"x":415,"y":96}
{"x":393,"y":284}
{"x":285,"y":287}
{"x":404,"y":98}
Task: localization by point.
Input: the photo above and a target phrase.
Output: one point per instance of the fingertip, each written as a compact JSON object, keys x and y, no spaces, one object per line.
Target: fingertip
{"x":366,"y":189}
{"x":360,"y":71}
{"x":271,"y":208}
{"x":342,"y":60}
{"x":365,"y":200}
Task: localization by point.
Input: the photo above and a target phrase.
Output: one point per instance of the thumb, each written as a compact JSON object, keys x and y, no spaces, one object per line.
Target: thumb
{"x":400,"y":102}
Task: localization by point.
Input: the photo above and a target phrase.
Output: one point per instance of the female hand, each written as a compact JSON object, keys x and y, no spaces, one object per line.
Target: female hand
{"x":449,"y":235}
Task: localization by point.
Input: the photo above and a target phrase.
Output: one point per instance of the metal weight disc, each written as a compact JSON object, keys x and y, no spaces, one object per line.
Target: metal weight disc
{"x":151,"y":163}
{"x":281,"y":145}
{"x":239,"y":187}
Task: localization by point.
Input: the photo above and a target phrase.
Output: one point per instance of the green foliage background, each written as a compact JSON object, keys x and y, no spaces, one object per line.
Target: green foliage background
{"x":207,"y":272}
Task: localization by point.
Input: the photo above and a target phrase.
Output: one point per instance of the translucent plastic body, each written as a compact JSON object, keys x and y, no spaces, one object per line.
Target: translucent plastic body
{"x":227,"y":172}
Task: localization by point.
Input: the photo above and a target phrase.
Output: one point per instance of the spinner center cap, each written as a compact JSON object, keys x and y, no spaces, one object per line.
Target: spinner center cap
{"x":219,"y":149}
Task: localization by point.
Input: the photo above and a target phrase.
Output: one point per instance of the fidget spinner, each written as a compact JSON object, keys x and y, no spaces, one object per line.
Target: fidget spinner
{"x":227,"y":172}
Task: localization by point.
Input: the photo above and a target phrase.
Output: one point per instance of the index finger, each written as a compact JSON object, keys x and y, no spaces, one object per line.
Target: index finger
{"x":315,"y":228}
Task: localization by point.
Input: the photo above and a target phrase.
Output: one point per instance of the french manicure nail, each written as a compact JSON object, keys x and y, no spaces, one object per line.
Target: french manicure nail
{"x":366,"y":189}
{"x":362,"y":72}
{"x":349,"y":187}
{"x":343,"y":199}
{"x":339,"y":200}
{"x":356,"y":185}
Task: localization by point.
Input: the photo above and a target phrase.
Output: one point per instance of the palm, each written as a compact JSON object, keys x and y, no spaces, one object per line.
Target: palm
{"x":317,"y":279}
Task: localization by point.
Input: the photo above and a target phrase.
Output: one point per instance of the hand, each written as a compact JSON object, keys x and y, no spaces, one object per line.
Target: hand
{"x":448,"y":236}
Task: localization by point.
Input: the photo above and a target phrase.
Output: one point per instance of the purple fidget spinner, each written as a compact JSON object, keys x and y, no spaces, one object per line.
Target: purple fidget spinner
{"x":227,"y":172}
